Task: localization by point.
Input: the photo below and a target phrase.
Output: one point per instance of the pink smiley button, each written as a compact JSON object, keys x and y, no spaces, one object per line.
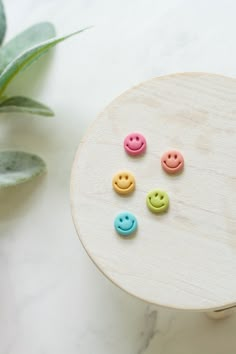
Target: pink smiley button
{"x":172,"y":161}
{"x":135,"y":144}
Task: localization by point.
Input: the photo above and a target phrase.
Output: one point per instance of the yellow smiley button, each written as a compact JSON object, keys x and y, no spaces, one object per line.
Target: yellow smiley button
{"x":123,"y":182}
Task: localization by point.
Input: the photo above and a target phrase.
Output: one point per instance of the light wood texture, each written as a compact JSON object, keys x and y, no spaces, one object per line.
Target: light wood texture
{"x":185,"y":258}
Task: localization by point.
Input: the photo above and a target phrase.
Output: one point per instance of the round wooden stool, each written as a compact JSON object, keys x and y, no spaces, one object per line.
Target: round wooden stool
{"x":184,"y":258}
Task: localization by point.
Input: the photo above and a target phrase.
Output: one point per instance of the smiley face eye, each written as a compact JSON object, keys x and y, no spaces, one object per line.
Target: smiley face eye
{"x":169,"y":156}
{"x":162,"y":197}
{"x":121,"y":220}
{"x":120,"y":177}
{"x":131,"y":139}
{"x":175,"y":156}
{"x":126,"y":177}
{"x":127,"y":218}
{"x":137,"y":138}
{"x":156,"y":195}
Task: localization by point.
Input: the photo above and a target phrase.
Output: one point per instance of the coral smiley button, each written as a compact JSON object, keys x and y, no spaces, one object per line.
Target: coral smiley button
{"x":123,"y":182}
{"x":172,"y":161}
{"x":135,"y":144}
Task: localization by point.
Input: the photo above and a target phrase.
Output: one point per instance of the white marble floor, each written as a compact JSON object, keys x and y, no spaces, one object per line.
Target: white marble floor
{"x":53,"y":299}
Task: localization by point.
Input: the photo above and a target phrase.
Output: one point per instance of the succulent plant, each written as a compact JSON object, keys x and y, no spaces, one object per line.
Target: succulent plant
{"x":15,"y":56}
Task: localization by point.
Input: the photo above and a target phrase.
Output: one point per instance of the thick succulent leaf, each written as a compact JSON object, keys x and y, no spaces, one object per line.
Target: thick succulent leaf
{"x":2,"y":23}
{"x":27,"y":58}
{"x":36,"y":34}
{"x":17,"y":167}
{"x":25,"y":105}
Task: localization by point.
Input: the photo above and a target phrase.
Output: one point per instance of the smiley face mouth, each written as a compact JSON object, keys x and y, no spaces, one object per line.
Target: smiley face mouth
{"x":156,"y":207}
{"x":172,"y":168}
{"x":131,"y":183}
{"x":128,"y":228}
{"x":135,"y":149}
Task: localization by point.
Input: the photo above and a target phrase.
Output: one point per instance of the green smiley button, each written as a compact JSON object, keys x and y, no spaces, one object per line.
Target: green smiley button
{"x":157,"y":201}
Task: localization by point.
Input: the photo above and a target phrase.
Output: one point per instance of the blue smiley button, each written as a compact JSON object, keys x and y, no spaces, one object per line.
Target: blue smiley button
{"x":125,"y":223}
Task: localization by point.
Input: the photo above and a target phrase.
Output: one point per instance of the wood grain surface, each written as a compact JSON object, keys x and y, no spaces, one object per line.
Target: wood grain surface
{"x":185,"y":258}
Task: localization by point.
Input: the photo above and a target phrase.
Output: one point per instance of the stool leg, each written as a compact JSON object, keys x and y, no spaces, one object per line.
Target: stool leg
{"x":220,"y":314}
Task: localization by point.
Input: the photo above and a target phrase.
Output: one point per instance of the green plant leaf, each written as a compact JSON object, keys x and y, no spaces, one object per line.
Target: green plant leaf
{"x":2,"y":22}
{"x":25,"y":40}
{"x":25,"y":105}
{"x":17,"y":167}
{"x":27,"y":58}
